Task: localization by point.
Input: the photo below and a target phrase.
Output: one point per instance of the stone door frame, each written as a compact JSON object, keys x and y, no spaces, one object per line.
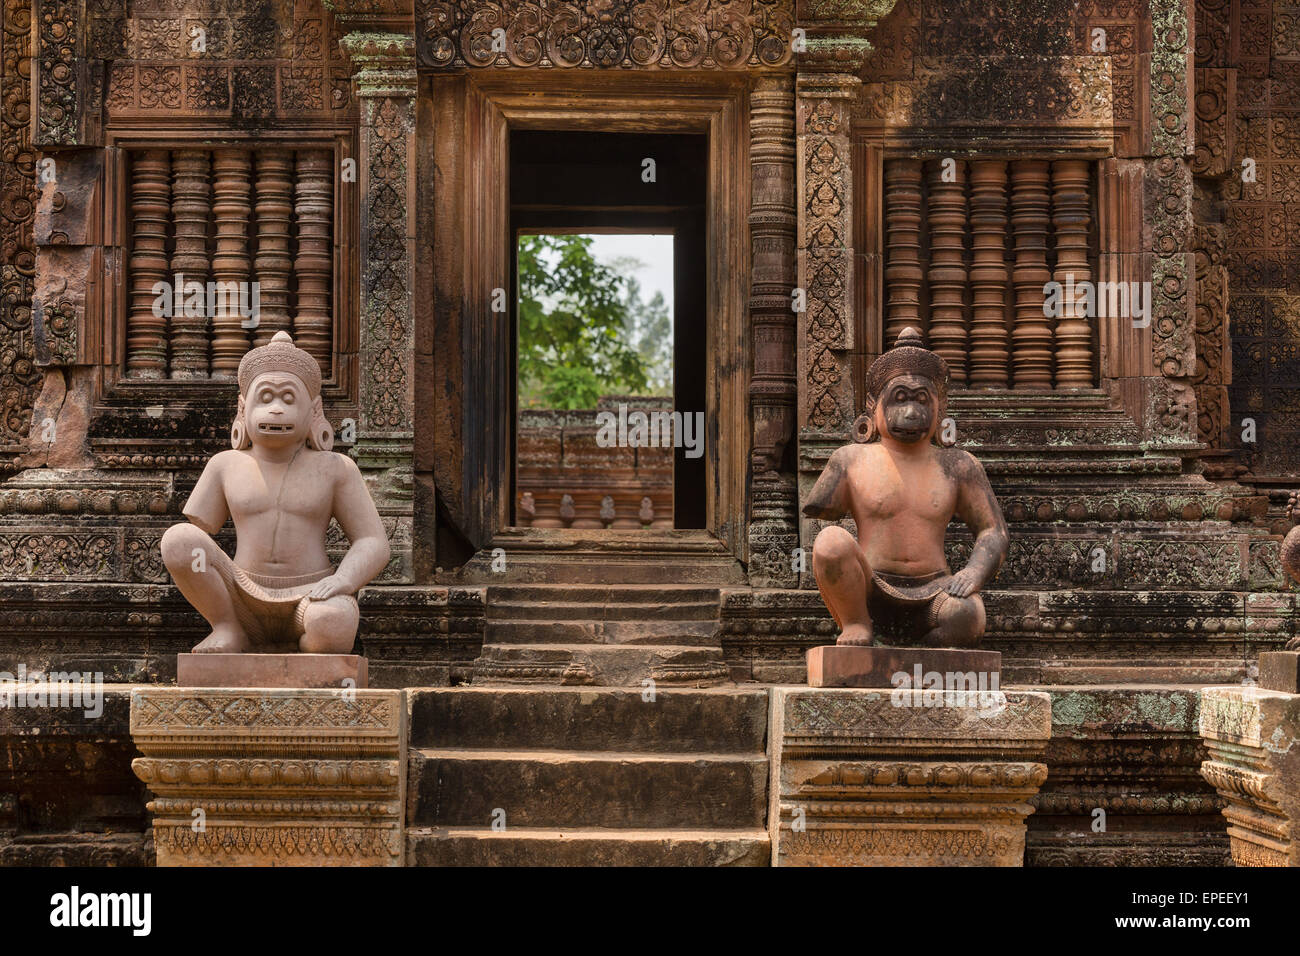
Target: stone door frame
{"x":463,"y":243}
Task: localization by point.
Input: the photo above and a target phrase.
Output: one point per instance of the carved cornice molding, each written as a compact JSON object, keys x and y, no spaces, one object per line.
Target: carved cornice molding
{"x":630,"y":34}
{"x":372,"y":16}
{"x":835,"y":31}
{"x":383,"y":63}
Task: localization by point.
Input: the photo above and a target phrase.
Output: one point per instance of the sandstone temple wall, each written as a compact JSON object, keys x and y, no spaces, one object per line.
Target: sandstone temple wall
{"x":346,"y":154}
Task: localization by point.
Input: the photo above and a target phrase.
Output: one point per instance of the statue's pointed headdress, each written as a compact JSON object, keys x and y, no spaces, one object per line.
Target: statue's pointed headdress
{"x":909,"y":356}
{"x":281,"y":355}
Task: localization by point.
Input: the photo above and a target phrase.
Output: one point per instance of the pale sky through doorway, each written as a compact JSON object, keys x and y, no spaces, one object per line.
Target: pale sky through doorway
{"x":656,"y":254}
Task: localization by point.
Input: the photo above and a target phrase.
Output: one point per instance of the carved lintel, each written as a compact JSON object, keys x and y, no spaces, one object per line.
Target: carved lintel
{"x":638,"y":35}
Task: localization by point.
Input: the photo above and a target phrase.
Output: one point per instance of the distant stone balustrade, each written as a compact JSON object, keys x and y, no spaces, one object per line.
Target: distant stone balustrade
{"x":565,"y":479}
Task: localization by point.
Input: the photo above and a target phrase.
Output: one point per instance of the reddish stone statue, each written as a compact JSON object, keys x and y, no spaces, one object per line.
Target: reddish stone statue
{"x":902,"y":488}
{"x":1291,"y":554}
{"x":281,"y":484}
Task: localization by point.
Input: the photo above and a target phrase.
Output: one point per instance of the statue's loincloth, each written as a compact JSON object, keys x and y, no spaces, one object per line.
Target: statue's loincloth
{"x":907,"y":590}
{"x":905,"y":607}
{"x":270,"y":608}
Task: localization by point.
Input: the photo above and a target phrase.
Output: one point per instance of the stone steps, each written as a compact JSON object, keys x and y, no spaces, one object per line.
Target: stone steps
{"x":600,"y":665}
{"x":619,"y":633}
{"x":587,"y":776}
{"x":580,"y":846}
{"x":602,"y":635}
{"x":587,"y":788}
{"x":572,"y":718}
{"x":625,"y":602}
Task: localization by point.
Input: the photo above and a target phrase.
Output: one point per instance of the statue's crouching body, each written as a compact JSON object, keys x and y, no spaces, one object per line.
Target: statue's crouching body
{"x":282,"y":485}
{"x":902,"y":488}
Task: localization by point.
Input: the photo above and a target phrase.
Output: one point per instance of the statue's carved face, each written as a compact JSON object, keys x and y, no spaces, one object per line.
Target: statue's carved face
{"x":278,"y":410}
{"x":907,"y":409}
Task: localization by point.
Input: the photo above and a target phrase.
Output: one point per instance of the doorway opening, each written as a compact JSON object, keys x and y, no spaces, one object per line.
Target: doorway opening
{"x":608,"y":329}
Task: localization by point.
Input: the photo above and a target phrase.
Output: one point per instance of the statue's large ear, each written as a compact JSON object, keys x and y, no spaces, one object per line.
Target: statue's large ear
{"x":864,"y":426}
{"x":239,"y":438}
{"x":320,"y":434}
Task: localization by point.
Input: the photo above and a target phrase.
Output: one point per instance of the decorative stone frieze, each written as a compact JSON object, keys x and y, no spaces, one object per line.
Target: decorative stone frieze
{"x":904,"y":778}
{"x":1254,"y":762}
{"x":273,"y":777}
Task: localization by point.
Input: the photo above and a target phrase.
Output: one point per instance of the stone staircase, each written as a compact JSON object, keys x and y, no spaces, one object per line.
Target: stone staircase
{"x":602,"y":635}
{"x":504,"y":776}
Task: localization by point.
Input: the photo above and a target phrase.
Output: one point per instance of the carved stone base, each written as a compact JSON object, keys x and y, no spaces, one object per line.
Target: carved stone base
{"x":1254,"y":763}
{"x":273,"y":777}
{"x":848,"y":666}
{"x":904,"y":777}
{"x":271,"y":670}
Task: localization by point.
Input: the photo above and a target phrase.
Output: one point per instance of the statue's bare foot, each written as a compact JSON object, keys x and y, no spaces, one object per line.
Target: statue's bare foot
{"x":223,"y":640}
{"x":855,"y":635}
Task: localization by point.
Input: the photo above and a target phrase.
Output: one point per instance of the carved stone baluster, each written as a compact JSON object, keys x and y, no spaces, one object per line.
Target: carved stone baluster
{"x":313,"y":209}
{"x":946,"y":208}
{"x":1031,"y":334}
{"x":1070,"y":215}
{"x":191,"y":205}
{"x":274,"y":207}
{"x":146,"y":329}
{"x":903,"y":272}
{"x":989,"y":351}
{"x":230,"y":265}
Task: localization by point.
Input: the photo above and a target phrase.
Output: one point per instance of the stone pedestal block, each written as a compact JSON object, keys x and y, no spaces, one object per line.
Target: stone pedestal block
{"x":1251,"y":737}
{"x":271,"y":670}
{"x":1280,"y":670}
{"x":273,"y":777}
{"x":937,"y":667}
{"x":904,"y":777}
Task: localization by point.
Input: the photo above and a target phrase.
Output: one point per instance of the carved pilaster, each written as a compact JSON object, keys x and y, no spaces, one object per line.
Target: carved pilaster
{"x":1168,"y":216}
{"x":772,"y":388}
{"x":773,"y":529}
{"x":825,"y":251}
{"x":385,"y":84}
{"x":59,"y":72}
{"x":18,"y":197}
